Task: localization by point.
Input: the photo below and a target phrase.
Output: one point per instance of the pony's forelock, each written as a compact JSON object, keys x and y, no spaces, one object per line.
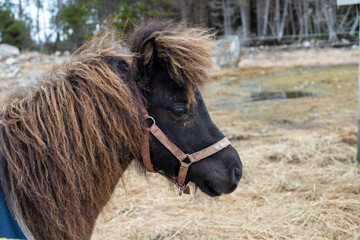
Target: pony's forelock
{"x":186,"y":51}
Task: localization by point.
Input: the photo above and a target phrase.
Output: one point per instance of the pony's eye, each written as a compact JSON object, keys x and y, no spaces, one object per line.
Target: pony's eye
{"x":179,"y":111}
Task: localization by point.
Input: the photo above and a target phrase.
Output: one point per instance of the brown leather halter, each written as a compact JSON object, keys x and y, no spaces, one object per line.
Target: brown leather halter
{"x":180,"y":155}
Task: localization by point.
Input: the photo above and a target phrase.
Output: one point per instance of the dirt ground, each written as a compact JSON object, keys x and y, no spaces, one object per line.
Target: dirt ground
{"x":300,"y":178}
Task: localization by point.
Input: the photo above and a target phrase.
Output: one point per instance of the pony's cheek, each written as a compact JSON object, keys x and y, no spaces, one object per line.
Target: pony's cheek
{"x":162,"y":160}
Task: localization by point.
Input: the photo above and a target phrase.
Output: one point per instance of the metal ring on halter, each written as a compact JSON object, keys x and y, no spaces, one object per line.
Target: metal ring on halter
{"x":152,"y":119}
{"x":180,"y":186}
{"x":180,"y":191}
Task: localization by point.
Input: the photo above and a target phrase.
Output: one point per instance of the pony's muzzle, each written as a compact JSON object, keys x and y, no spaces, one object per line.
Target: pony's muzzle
{"x":235,"y":176}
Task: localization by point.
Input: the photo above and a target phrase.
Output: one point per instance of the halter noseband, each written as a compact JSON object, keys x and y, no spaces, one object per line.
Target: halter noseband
{"x":180,"y":155}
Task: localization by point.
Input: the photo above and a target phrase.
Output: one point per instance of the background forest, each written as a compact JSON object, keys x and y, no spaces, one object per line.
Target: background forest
{"x":70,"y":22}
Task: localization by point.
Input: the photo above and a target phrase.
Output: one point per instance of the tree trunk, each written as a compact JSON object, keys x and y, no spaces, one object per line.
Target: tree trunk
{"x":185,"y":7}
{"x":280,"y":28}
{"x":299,"y":12}
{"x":292,"y":21}
{"x":59,"y":4}
{"x":38,"y":7}
{"x":266,"y":15}
{"x":341,"y":25}
{"x":277,"y":15}
{"x":259,"y":16}
{"x":227,"y":17}
{"x":317,"y":26}
{"x":183,"y":10}
{"x":306,"y":15}
{"x":355,"y":24}
{"x":202,"y":12}
{"x":328,"y":12}
{"x":21,"y":12}
{"x":245,"y":18}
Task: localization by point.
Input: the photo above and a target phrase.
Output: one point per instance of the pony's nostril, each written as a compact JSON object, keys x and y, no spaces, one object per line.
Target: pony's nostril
{"x":237,"y":174}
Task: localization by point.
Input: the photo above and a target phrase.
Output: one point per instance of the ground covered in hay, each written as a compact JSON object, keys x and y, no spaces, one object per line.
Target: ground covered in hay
{"x":300,"y":177}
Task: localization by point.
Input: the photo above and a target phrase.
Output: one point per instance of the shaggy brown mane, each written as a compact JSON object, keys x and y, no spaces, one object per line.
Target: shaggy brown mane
{"x":79,"y":127}
{"x":65,"y":141}
{"x":187,"y":51}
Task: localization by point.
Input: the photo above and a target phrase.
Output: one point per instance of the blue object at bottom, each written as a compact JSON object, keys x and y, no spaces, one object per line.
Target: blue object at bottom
{"x":9,"y":228}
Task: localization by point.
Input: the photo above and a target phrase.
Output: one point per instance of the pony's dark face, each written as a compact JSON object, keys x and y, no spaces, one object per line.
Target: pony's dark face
{"x":190,"y":127}
{"x":163,"y":64}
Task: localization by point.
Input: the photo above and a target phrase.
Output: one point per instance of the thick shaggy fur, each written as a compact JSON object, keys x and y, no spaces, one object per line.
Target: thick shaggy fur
{"x":65,"y":141}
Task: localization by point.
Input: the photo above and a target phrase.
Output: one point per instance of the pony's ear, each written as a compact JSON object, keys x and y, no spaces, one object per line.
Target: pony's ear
{"x":147,"y":56}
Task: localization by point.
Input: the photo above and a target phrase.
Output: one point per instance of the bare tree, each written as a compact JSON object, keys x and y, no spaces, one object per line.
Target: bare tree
{"x":21,"y":12}
{"x":292,"y":21}
{"x":317,"y":17}
{"x":299,"y":13}
{"x":355,"y":23}
{"x":340,"y":28}
{"x":280,"y":24}
{"x":266,"y":15}
{"x":245,"y":17}
{"x":262,"y":11}
{"x":259,"y":16}
{"x":224,"y":14}
{"x":227,"y":17}
{"x":202,"y":11}
{"x":306,"y":13}
{"x":329,"y":14}
{"x":38,"y":8}
{"x":185,"y":9}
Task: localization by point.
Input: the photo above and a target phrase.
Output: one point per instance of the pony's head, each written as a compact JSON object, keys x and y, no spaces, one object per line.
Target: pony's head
{"x":172,"y":64}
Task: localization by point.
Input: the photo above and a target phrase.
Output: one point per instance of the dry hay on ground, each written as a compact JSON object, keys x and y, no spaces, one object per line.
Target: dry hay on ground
{"x":302,"y":187}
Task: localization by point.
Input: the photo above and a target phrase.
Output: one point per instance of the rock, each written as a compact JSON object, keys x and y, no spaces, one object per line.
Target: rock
{"x":7,"y":50}
{"x":29,"y":57}
{"x":263,"y":131}
{"x":13,"y":73}
{"x":345,"y":41}
{"x":66,"y":53}
{"x":10,"y":61}
{"x":57,"y":53}
{"x":306,"y":44}
{"x":26,"y":80}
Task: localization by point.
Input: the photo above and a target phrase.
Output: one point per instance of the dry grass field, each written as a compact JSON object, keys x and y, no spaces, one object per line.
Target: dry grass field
{"x":300,"y":178}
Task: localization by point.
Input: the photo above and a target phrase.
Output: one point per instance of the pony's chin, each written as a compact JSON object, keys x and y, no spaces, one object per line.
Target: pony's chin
{"x":209,"y":188}
{"x":212,"y":190}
